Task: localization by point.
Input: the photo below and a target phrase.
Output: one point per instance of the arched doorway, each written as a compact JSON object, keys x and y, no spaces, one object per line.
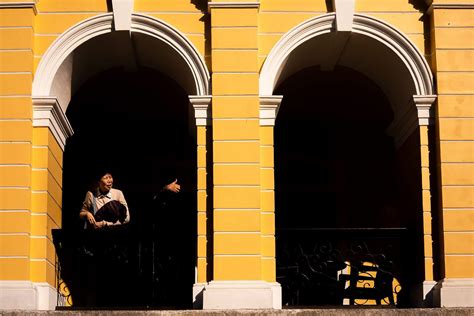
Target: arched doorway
{"x":351,"y":208}
{"x":132,"y":98}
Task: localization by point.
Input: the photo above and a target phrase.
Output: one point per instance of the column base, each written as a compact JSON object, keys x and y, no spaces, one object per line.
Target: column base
{"x":27,"y":295}
{"x":431,"y":294}
{"x":457,"y":292}
{"x":242,"y":295}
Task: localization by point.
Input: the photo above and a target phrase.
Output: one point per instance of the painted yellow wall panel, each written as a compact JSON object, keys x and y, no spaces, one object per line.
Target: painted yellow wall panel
{"x":457,"y":174}
{"x":459,"y":220}
{"x":14,"y":269}
{"x":453,"y":18}
{"x":458,"y":196}
{"x":234,"y":17}
{"x":54,"y":147}
{"x":236,"y":174}
{"x":15,"y":176}
{"x":72,"y":5}
{"x":268,"y":246}
{"x":428,"y":269}
{"x":201,"y":201}
{"x":235,"y":106}
{"x":267,"y":156}
{"x":247,"y":129}
{"x":199,"y":42}
{"x":456,"y":82}
{"x":202,"y":223}
{"x":15,"y":84}
{"x":428,"y":245}
{"x":455,"y":60}
{"x":201,"y":246}
{"x":14,"y":222}
{"x":185,"y":23}
{"x":236,"y":197}
{"x":268,"y":201}
{"x":58,"y":23}
{"x":52,"y":225}
{"x":418,"y":40}
{"x":42,"y":43}
{"x":235,"y":83}
{"x":38,"y":248}
{"x":266,"y":42}
{"x":236,"y":152}
{"x":426,"y":198}
{"x":166,"y":5}
{"x":40,"y":136}
{"x":202,"y":270}
{"x":266,"y":135}
{"x":16,"y":61}
{"x":456,"y":105}
{"x":202,"y":181}
{"x":294,"y":5}
{"x":201,"y":156}
{"x":384,"y":6}
{"x":15,"y":153}
{"x":54,"y":210}
{"x":423,"y":135}
{"x":235,"y":220}
{"x":40,"y":180}
{"x":39,"y":224}
{"x":234,"y":37}
{"x":55,"y":168}
{"x":426,"y":222}
{"x":20,"y":108}
{"x":201,"y":135}
{"x":459,"y":266}
{"x":268,"y":269}
{"x":42,"y":271}
{"x":454,"y":38}
{"x":268,"y":179}
{"x":237,"y":268}
{"x":16,"y":131}
{"x":16,"y":17}
{"x":234,"y":61}
{"x":39,"y":202}
{"x":15,"y":199}
{"x":237,"y":243}
{"x":14,"y":245}
{"x":281,"y":22}
{"x":457,"y":151}
{"x":55,"y":189}
{"x":268,"y":223}
{"x":16,"y":38}
{"x":404,"y":22}
{"x":459,"y":243}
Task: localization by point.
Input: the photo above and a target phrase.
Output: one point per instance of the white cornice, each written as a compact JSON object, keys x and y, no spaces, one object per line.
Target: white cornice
{"x":423,"y":105}
{"x":269,"y":106}
{"x":19,"y":5}
{"x":47,"y":112}
{"x":202,"y":109}
{"x":449,"y":6}
{"x":233,"y":5}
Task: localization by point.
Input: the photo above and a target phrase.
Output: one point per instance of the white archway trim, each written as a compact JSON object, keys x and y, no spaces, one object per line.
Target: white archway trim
{"x":78,"y":34}
{"x":369,"y":26}
{"x":344,"y":14}
{"x":122,"y":14}
{"x":47,"y":112}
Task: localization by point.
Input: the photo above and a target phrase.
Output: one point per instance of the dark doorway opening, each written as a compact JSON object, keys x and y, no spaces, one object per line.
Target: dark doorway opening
{"x":340,"y":187}
{"x":137,"y":125}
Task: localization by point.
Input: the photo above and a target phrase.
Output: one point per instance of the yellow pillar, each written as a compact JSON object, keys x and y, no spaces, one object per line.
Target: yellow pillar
{"x":238,"y":244}
{"x":452,"y":50}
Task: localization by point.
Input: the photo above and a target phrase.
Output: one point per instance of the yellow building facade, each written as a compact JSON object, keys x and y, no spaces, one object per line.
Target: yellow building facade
{"x":245,"y":67}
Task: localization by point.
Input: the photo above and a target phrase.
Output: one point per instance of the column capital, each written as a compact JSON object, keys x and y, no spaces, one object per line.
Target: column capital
{"x":47,"y":112}
{"x":201,"y":105}
{"x":269,"y":106}
{"x":423,"y":105}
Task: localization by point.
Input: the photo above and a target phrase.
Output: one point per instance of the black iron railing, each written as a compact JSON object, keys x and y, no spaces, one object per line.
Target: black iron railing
{"x":336,"y":266}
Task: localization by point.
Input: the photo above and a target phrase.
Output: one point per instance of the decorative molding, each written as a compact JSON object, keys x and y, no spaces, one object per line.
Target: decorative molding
{"x":449,"y":6}
{"x":457,"y":292}
{"x":344,"y":14}
{"x":389,"y":36}
{"x":47,"y":112}
{"x":242,"y":295}
{"x":26,"y":295}
{"x":423,"y":105}
{"x":269,"y":106}
{"x":202,"y":109}
{"x":19,"y":5}
{"x":122,"y":10}
{"x":233,"y":5}
{"x":98,"y":25}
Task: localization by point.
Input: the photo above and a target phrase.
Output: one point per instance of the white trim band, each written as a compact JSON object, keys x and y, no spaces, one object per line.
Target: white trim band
{"x":47,"y":112}
{"x":233,"y":5}
{"x":19,"y":5}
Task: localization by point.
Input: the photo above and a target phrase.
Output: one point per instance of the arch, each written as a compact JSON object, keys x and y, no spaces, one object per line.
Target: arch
{"x":371,"y":27}
{"x":85,"y":30}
